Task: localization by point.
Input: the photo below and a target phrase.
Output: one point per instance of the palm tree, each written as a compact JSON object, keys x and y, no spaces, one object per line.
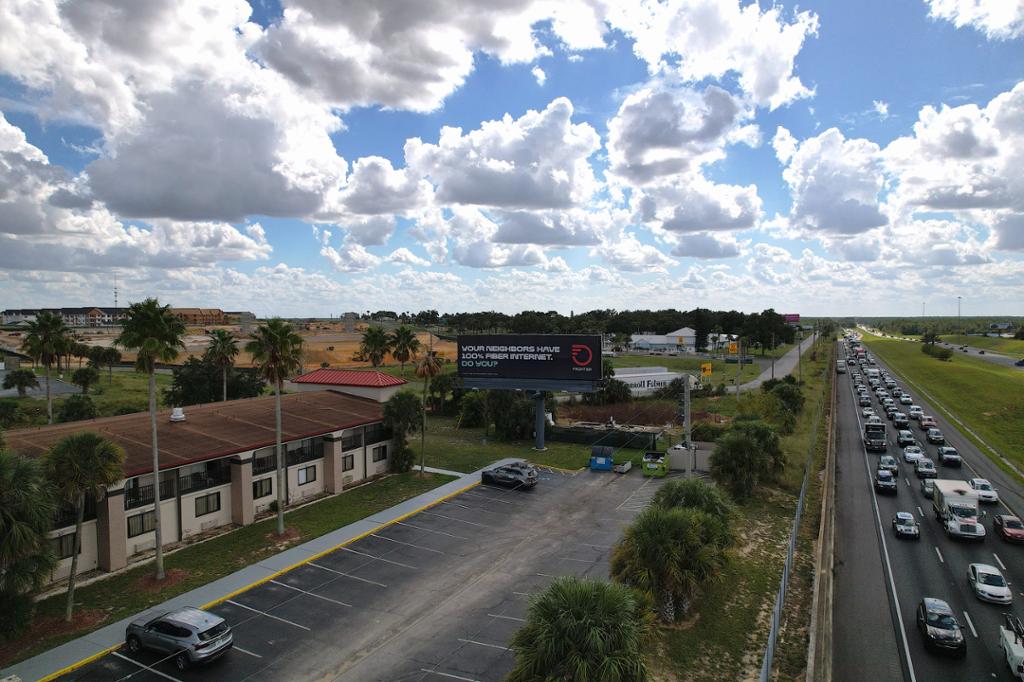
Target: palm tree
{"x":46,"y":340}
{"x":375,"y":345}
{"x":80,"y":465}
{"x":695,"y":494}
{"x":427,"y":368}
{"x":669,"y":553}
{"x":738,"y":464}
{"x":404,"y":345}
{"x":80,"y":351}
{"x":21,"y":379}
{"x":222,"y":351}
{"x":277,"y":352}
{"x":111,"y":356}
{"x":26,"y":516}
{"x":85,"y":377}
{"x":582,"y":629}
{"x":155,"y":334}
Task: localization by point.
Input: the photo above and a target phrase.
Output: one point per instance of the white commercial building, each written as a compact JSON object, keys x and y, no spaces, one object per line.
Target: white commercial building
{"x":681,"y":340}
{"x":646,"y":380}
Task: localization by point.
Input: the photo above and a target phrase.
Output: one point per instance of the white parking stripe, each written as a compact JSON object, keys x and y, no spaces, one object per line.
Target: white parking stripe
{"x":246,"y":651}
{"x":347,"y":575}
{"x":428,"y":530}
{"x":493,"y":646}
{"x":407,"y":544}
{"x":466,"y":506}
{"x":999,"y":561}
{"x":498,"y":615}
{"x":452,"y":518}
{"x":523,"y":594}
{"x":448,"y":675}
{"x":969,"y":622}
{"x":146,"y":667}
{"x":582,"y":561}
{"x":268,"y":615}
{"x":587,"y":544}
{"x":491,"y":498}
{"x":370,"y":556}
{"x":940,"y":554}
{"x":311,"y":594}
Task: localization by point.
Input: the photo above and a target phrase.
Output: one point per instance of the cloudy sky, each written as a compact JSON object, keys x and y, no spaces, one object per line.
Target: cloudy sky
{"x":315,"y":156}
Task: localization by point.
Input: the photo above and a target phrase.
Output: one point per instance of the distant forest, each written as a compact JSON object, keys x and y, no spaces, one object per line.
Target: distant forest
{"x":916,"y":326}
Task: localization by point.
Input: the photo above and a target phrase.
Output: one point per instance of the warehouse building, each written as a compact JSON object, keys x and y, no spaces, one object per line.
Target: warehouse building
{"x":681,"y":340}
{"x":217,"y":468}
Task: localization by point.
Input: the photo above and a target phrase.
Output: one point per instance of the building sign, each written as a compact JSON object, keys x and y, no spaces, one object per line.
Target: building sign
{"x":530,"y":356}
{"x":791,"y":318}
{"x":644,"y":381}
{"x":705,"y":369}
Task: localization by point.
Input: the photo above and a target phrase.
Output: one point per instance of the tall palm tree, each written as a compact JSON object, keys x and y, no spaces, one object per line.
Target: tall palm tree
{"x":669,"y":553}
{"x":21,"y":379}
{"x":46,"y":341}
{"x":110,"y":356}
{"x":404,"y":345}
{"x":277,"y":352}
{"x":155,"y":334}
{"x":222,"y":351}
{"x":427,"y":368}
{"x":582,"y":629}
{"x":376,"y":345}
{"x":81,"y":465}
{"x":26,"y":516}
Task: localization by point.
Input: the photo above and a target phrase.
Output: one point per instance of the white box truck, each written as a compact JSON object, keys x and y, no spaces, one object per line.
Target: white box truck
{"x":956,"y":507}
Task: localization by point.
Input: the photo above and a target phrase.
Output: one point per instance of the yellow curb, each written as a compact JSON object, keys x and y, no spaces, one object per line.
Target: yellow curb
{"x":276,"y":574}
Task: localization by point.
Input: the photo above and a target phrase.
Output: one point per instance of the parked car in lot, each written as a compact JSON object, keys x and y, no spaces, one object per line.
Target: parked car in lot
{"x":915,"y":412}
{"x":905,"y":525}
{"x":187,"y":634}
{"x":900,"y":420}
{"x":1008,"y":527}
{"x":986,"y":493}
{"x":885,"y":482}
{"x":905,"y":437}
{"x":905,"y":399}
{"x":935,"y":437}
{"x":948,"y":456}
{"x":989,"y":584}
{"x":940,"y":629}
{"x":926,"y":421}
{"x":928,"y":487}
{"x":889,"y":463}
{"x":912,"y":453}
{"x":925,"y":468}
{"x":510,"y":476}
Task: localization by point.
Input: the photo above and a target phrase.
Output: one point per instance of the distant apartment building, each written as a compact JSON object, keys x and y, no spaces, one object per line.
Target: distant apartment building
{"x":73,"y":317}
{"x":240,"y":317}
{"x":217,"y":469}
{"x":200,"y":316}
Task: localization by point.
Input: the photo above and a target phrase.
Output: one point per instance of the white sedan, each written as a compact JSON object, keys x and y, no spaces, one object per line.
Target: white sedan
{"x":989,"y":584}
{"x":986,"y":493}
{"x":912,"y":453}
{"x":867,"y":412}
{"x":905,"y":399}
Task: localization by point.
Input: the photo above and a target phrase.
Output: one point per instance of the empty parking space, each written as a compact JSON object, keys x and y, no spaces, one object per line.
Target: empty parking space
{"x":437,"y":595}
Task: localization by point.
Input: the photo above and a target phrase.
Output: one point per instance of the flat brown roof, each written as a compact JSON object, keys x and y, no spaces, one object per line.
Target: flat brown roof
{"x":210,"y":431}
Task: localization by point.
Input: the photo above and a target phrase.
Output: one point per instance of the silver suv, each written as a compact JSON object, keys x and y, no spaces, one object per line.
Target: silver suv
{"x":187,"y":634}
{"x":514,"y":475}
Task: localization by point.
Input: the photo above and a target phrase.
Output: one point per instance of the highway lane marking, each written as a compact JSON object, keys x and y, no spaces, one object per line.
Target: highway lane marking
{"x":448,"y":675}
{"x":246,"y":651}
{"x":493,"y":646}
{"x":498,"y":615}
{"x":146,"y":667}
{"x":999,"y":561}
{"x":941,"y":560}
{"x":907,"y":481}
{"x":311,"y":594}
{"x":347,"y":575}
{"x":371,"y":556}
{"x":921,"y":513}
{"x":969,"y":622}
{"x":268,"y":615}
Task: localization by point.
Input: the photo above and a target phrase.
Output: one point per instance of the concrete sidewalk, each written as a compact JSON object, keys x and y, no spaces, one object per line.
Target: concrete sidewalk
{"x":110,"y":637}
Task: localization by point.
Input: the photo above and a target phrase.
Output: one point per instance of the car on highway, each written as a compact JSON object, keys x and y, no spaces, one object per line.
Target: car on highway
{"x":873,"y":419}
{"x":864,"y":401}
{"x":940,"y":629}
{"x":885,"y":482}
{"x":867,"y":412}
{"x":1008,"y":527}
{"x":925,"y":468}
{"x":905,"y":399}
{"x":928,"y":487}
{"x":889,"y":463}
{"x":900,"y":420}
{"x":986,"y":493}
{"x":905,"y":525}
{"x":890,"y":410}
{"x":915,"y":411}
{"x":187,"y":635}
{"x":948,"y":456}
{"x":926,"y":421}
{"x":989,"y":584}
{"x":905,"y":437}
{"x":912,"y":453}
{"x":510,"y":476}
{"x":1019,"y":363}
{"x":851,"y":361}
{"x":935,"y":436}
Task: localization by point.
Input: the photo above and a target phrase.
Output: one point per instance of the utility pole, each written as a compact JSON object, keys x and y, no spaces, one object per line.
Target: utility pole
{"x":739,"y":368}
{"x":800,"y":357}
{"x":958,"y":322}
{"x":773,"y":355}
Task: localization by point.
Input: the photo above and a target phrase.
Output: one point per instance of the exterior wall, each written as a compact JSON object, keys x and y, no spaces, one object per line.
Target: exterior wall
{"x":242,"y":508}
{"x":147,"y":541}
{"x":332,"y":465}
{"x":378,"y":468}
{"x":193,"y":525}
{"x":296,"y":492}
{"x":262,"y":504}
{"x":88,"y":559}
{"x":112,"y":531}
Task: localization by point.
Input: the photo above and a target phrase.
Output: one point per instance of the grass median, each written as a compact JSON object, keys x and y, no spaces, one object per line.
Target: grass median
{"x":122,"y":595}
{"x":987,"y":397}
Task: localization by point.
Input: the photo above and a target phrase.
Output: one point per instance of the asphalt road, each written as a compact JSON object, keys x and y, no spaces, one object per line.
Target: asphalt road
{"x":59,"y":388}
{"x":988,"y":355}
{"x":437,"y":596}
{"x":880,"y":579}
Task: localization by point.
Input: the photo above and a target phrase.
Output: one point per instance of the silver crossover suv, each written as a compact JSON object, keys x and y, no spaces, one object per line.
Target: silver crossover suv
{"x":187,"y":634}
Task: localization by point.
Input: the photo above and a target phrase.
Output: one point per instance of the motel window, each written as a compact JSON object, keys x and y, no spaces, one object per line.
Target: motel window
{"x":204,"y":475}
{"x":348,"y":463}
{"x":64,"y":546}
{"x":302,"y":451}
{"x":263,"y":461}
{"x":207,"y":504}
{"x":376,"y":433}
{"x":380,"y":453}
{"x":262,"y":488}
{"x":141,"y":523}
{"x":352,"y":440}
{"x":307,"y":475}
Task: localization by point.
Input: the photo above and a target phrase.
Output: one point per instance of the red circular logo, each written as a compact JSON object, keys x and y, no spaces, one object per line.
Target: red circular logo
{"x":582,"y":355}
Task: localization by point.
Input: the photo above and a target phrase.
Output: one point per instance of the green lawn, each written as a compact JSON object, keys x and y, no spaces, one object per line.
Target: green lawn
{"x":1012,"y":347}
{"x":721,"y":371}
{"x":123,"y":594}
{"x":987,"y":397}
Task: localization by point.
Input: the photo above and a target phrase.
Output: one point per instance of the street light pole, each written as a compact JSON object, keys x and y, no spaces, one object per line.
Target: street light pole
{"x":958,"y":322}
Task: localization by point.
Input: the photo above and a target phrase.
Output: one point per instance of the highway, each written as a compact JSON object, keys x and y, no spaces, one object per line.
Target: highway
{"x":988,"y":355}
{"x":880,"y":579}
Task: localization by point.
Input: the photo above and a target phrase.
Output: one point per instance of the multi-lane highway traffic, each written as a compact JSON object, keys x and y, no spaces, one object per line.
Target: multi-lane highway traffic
{"x":880,"y":578}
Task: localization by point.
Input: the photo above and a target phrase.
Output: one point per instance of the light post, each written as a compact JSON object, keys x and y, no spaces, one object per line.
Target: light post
{"x":958,"y":322}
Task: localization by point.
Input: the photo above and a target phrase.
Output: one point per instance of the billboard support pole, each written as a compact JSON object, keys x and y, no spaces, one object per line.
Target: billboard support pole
{"x":538,"y":421}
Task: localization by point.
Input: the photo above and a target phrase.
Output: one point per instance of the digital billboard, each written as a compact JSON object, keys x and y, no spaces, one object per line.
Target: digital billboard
{"x":558,"y":357}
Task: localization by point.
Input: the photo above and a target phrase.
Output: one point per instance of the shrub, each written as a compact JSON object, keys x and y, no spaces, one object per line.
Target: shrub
{"x":790,"y":396}
{"x":737,"y":463}
{"x":473,"y":410}
{"x":76,"y":408}
{"x":708,"y":432}
{"x":18,"y":610}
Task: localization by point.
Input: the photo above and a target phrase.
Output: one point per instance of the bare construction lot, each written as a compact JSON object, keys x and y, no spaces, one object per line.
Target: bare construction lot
{"x":436,"y":596}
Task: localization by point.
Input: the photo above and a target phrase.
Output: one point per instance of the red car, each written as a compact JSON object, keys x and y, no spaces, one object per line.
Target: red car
{"x":1009,"y":527}
{"x":926,"y":422}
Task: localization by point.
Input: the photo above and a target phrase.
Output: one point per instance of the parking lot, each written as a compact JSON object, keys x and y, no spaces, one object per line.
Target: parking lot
{"x":435,"y":596}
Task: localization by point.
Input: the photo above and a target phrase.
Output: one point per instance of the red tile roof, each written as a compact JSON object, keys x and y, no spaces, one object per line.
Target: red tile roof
{"x":349,"y":377}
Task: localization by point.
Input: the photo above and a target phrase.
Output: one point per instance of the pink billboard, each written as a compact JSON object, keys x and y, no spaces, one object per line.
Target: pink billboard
{"x":791,"y":317}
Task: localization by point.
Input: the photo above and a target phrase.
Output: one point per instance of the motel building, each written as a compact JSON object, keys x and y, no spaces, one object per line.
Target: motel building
{"x":218,"y":468}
